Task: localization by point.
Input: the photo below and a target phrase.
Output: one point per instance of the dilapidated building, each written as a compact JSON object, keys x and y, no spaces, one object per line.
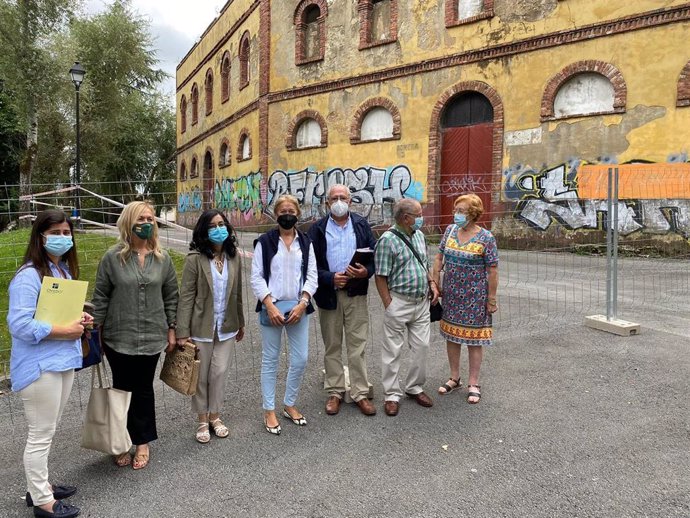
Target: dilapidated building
{"x":525,"y":102}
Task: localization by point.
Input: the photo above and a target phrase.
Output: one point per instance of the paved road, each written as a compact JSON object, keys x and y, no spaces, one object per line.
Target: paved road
{"x":573,"y":422}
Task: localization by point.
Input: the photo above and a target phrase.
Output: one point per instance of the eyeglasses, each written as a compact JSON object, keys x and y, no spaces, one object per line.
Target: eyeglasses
{"x":338,"y":198}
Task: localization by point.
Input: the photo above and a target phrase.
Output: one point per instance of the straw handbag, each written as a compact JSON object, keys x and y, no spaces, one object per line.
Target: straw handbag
{"x":181,"y":369}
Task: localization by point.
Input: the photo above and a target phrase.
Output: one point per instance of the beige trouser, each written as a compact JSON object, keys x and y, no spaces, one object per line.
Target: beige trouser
{"x":404,"y":313}
{"x":44,"y":400}
{"x":351,"y":316}
{"x":214,"y":360}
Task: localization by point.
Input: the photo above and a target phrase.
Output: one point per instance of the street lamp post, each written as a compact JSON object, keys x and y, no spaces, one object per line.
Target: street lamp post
{"x":77,"y":73}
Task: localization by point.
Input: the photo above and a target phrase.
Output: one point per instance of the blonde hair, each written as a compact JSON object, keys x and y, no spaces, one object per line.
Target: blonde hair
{"x":287,"y":198}
{"x":475,"y":207}
{"x":126,"y":221}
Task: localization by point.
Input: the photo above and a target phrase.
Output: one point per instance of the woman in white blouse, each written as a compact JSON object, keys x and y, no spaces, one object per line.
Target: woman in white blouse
{"x":284,"y":278}
{"x":210,"y":313}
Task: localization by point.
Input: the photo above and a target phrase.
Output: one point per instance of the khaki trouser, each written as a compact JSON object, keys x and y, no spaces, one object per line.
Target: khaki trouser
{"x":404,"y":313}
{"x":351,"y":316}
{"x":214,"y":359}
{"x":44,"y":400}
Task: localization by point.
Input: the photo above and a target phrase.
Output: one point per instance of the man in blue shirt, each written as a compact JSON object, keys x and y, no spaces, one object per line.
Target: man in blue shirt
{"x":342,"y":297}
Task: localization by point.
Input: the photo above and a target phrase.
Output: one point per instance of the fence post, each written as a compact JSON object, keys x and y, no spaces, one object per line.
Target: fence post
{"x":610,"y":321}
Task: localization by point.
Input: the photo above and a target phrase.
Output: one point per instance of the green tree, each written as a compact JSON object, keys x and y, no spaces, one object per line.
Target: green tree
{"x":32,"y":72}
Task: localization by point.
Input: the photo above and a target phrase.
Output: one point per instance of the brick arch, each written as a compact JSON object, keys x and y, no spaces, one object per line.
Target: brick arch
{"x":365,"y":9}
{"x":684,"y":87}
{"x":225,"y":65}
{"x":208,"y":91}
{"x":244,"y":132}
{"x":195,"y":104}
{"x":434,"y":171}
{"x":620,"y":90}
{"x":183,"y":170}
{"x":208,"y":152}
{"x":366,"y":107}
{"x":194,"y":171}
{"x":183,"y":114}
{"x":244,"y":52}
{"x":291,"y":138}
{"x":301,"y":26}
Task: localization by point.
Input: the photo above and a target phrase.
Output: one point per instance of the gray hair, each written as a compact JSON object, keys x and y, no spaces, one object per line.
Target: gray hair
{"x":336,"y":185}
{"x":403,"y":207}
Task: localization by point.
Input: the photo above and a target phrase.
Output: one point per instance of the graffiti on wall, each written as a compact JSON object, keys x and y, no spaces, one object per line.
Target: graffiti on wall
{"x":241,"y":196}
{"x":653,"y":197}
{"x":374,"y":190}
{"x":189,"y":199}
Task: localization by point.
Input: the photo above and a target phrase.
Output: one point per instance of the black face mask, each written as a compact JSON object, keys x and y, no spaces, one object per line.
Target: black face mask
{"x":287,"y":221}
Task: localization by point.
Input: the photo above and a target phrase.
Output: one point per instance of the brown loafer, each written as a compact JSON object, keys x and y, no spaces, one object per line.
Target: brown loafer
{"x":422,"y":399}
{"x":332,"y":405}
{"x":391,"y":408}
{"x":366,"y":406}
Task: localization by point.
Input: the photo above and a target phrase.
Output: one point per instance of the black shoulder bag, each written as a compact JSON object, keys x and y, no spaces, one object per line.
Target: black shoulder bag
{"x":435,"y":310}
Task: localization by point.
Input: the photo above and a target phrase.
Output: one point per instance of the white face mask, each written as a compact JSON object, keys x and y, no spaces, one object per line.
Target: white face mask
{"x":339,"y":208}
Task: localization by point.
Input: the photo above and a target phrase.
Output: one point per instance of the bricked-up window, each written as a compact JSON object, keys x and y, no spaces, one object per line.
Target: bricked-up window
{"x":183,"y":171}
{"x":208,"y":91}
{"x":244,"y":60}
{"x":310,"y":31}
{"x":183,"y":114}
{"x":459,"y":12}
{"x":244,"y":147}
{"x":225,"y":77}
{"x":195,"y":104}
{"x":375,"y":119}
{"x":378,"y":22}
{"x":684,"y":87}
{"x":194,"y":172}
{"x":224,"y":158}
{"x":584,"y":88}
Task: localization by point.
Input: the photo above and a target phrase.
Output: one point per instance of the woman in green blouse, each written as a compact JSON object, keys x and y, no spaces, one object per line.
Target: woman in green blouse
{"x":135,"y":301}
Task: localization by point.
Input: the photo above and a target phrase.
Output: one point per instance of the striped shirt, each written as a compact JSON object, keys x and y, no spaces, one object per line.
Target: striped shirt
{"x":342,"y":244}
{"x":395,"y":260}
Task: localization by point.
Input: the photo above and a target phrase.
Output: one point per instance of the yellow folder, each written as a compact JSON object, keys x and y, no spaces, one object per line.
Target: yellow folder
{"x":61,"y":301}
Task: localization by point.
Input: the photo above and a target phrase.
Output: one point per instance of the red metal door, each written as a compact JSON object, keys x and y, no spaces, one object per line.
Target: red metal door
{"x":466,"y":160}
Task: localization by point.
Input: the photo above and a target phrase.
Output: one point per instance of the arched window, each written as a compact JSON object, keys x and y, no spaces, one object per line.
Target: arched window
{"x":183,"y":171}
{"x":195,"y":104}
{"x":308,"y":134}
{"x":683,"y":98}
{"x":584,"y":88}
{"x":244,"y":60}
{"x":376,"y":119}
{"x":224,"y":158}
{"x":467,"y":109}
{"x":310,"y":31}
{"x":244,"y":147}
{"x":208,"y":161}
{"x":208,"y":90}
{"x":194,"y":173}
{"x":225,"y":77}
{"x":307,"y":130}
{"x":183,"y":114}
{"x":467,"y":11}
{"x":378,"y":22}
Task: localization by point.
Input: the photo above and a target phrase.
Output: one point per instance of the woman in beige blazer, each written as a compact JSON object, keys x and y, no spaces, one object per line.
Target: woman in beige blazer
{"x":210,"y":314}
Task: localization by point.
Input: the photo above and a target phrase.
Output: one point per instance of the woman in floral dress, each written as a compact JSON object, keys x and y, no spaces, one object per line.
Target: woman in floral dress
{"x":469,"y":258}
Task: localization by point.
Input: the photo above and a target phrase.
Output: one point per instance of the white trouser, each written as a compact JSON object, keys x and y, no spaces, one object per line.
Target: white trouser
{"x":44,"y":400}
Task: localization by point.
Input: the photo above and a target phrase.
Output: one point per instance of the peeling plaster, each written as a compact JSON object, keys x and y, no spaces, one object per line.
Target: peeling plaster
{"x":525,"y":10}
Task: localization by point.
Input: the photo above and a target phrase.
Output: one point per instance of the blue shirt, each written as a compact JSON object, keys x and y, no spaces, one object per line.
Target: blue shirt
{"x":32,"y":352}
{"x":341,"y":245}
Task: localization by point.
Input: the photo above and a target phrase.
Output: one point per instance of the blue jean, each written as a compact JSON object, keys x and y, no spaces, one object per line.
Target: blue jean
{"x":298,"y":346}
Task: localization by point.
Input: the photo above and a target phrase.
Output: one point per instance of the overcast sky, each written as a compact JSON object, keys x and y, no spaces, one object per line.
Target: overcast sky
{"x":176,"y":25}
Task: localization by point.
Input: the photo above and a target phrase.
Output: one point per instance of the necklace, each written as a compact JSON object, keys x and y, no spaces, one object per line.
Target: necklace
{"x":219,"y":260}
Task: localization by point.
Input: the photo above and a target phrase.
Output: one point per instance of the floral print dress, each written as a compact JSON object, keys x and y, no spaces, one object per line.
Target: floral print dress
{"x":466,"y":287}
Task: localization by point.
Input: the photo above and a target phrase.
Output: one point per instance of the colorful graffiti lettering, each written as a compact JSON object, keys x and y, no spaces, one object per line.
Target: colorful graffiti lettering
{"x":653,"y":198}
{"x":241,"y":195}
{"x":374,"y":190}
{"x":189,"y":200}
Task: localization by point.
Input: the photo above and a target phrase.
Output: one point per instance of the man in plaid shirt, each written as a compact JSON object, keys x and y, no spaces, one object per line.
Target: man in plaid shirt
{"x":405,"y":287}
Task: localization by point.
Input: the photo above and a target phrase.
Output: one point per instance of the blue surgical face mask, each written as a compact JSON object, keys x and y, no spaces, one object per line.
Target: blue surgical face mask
{"x":218,"y":235}
{"x":418,"y":223}
{"x":58,"y":246}
{"x":460,"y":220}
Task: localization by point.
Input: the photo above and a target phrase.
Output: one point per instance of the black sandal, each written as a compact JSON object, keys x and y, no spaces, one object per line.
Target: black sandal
{"x":447,"y":389}
{"x":473,"y":393}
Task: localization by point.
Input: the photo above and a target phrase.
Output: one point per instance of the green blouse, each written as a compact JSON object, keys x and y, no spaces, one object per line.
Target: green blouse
{"x":136,"y":306}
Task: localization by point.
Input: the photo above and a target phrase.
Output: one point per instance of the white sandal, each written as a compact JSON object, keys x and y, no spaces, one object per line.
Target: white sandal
{"x":202,"y":433}
{"x":219,"y":428}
